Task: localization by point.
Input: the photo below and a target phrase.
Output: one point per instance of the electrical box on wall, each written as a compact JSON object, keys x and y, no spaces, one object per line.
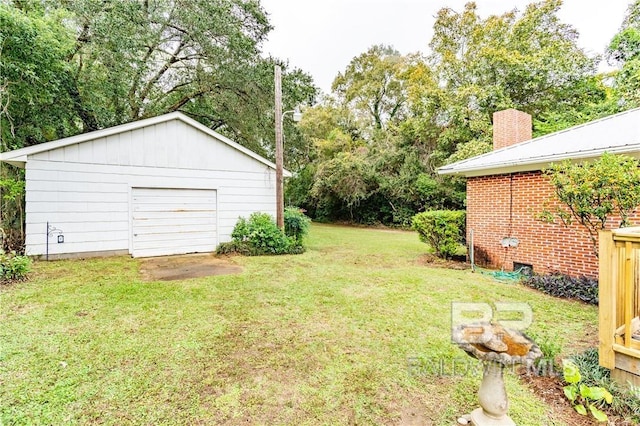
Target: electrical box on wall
{"x":509,"y":242}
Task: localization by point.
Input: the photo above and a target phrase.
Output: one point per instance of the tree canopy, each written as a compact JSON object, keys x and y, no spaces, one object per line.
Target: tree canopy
{"x":392,"y":119}
{"x":33,"y":66}
{"x":99,"y":64}
{"x":624,"y":51}
{"x":371,"y":86}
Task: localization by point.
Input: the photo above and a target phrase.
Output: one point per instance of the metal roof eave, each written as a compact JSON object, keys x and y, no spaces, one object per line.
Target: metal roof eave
{"x":539,"y":163}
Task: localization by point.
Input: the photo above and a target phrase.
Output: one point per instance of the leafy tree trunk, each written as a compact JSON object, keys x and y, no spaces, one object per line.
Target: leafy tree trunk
{"x":88,"y":119}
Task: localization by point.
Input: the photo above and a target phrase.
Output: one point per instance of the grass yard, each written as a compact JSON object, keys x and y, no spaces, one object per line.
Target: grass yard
{"x":319,"y":338}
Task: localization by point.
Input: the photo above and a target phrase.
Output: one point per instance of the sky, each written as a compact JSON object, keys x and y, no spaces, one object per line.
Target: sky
{"x":322,"y":36}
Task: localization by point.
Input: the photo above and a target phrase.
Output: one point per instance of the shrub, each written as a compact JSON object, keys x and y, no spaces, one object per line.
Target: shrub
{"x":259,"y":235}
{"x":443,"y":230}
{"x":560,"y":285}
{"x":591,"y":193}
{"x":264,"y":236}
{"x":241,"y":230}
{"x":13,"y":267}
{"x":296,"y":224}
{"x":592,"y":373}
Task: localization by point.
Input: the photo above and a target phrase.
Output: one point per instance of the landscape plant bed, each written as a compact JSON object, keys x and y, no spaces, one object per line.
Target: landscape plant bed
{"x":433,"y":261}
{"x":556,"y":284}
{"x":550,"y":390}
{"x":328,"y":336}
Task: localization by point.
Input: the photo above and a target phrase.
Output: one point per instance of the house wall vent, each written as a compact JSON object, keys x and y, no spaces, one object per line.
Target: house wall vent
{"x":524,"y":268}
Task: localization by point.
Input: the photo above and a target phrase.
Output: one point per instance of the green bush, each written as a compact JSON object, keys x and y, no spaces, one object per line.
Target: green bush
{"x":549,"y":343}
{"x":13,"y":267}
{"x":443,"y":230}
{"x":241,"y":230}
{"x":259,"y":235}
{"x":264,"y":236}
{"x":296,"y":224}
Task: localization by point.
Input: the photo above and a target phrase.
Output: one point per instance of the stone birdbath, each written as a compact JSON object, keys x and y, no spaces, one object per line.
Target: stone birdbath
{"x":497,"y":347}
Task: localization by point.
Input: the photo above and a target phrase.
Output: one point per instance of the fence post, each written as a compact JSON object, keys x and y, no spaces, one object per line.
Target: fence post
{"x":607,"y":260}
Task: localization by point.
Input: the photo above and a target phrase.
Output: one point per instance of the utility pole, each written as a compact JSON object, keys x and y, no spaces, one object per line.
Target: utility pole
{"x":279,"y":148}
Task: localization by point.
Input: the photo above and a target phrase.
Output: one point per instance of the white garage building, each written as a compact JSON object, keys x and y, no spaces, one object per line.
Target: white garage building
{"x":160,"y":186}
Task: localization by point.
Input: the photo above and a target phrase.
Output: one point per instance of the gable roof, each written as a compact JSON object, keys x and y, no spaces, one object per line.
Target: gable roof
{"x":18,"y":157}
{"x":618,"y":133}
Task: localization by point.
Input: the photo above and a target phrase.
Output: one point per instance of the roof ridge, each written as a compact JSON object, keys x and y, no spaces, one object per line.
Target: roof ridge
{"x":19,"y":155}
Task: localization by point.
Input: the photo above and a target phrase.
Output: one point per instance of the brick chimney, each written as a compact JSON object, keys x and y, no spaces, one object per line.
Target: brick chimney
{"x":510,"y":127}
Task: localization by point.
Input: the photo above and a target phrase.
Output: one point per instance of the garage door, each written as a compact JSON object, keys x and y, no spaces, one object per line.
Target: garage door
{"x":173,"y":221}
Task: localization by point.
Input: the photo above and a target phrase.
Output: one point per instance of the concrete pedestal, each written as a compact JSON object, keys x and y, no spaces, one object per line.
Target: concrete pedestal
{"x":493,"y":398}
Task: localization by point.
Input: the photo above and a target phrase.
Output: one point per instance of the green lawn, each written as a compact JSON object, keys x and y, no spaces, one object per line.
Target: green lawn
{"x":318,"y":338}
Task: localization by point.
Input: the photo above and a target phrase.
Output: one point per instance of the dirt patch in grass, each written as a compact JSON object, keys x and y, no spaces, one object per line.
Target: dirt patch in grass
{"x":436,"y":262}
{"x":169,"y":268}
{"x":414,"y":412}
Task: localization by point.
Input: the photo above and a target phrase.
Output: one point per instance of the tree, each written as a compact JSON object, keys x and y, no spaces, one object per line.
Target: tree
{"x":138,"y":59}
{"x":326,"y":130}
{"x":33,"y":52}
{"x":128,"y":60}
{"x":372,"y":86}
{"x":528,"y":61}
{"x":398,"y":118}
{"x":593,"y":193}
{"x":603,"y":101}
{"x":343,"y":182}
{"x":624,"y":51}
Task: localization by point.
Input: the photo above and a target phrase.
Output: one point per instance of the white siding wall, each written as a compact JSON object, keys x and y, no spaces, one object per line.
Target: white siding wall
{"x":85,"y":189}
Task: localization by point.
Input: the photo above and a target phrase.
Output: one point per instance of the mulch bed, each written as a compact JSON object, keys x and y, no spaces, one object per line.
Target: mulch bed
{"x":550,"y":390}
{"x":433,"y":261}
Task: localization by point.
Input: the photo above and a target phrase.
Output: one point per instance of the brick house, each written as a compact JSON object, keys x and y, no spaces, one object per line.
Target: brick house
{"x":506,"y":189}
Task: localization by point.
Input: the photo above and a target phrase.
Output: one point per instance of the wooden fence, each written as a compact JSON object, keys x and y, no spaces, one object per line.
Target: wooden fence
{"x":619,"y":303}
